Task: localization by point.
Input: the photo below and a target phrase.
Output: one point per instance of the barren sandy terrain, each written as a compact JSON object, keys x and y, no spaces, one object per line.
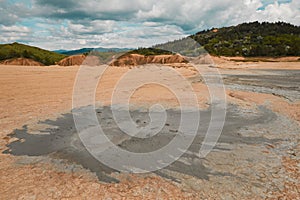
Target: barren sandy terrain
{"x":257,"y":156}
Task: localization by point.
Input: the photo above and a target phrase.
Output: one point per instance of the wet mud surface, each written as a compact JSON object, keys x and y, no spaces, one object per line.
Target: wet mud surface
{"x":282,"y":83}
{"x":63,"y":142}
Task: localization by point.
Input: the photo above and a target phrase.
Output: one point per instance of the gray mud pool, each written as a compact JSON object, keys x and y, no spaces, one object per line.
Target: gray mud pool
{"x":62,"y":141}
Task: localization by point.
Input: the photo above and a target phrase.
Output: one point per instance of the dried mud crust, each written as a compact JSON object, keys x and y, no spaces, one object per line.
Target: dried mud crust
{"x":277,"y":89}
{"x":47,"y":180}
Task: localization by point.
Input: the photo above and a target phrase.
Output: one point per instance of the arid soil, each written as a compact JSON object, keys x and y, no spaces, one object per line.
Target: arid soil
{"x":257,"y":156}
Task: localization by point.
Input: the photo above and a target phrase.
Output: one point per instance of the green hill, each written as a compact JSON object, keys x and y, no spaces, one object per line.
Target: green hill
{"x":249,"y":39}
{"x":16,"y":50}
{"x":252,"y":39}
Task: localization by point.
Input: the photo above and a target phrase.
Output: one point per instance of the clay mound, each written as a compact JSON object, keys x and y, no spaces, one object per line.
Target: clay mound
{"x":91,"y":61}
{"x":137,"y":59}
{"x":72,"y":60}
{"x":22,"y":62}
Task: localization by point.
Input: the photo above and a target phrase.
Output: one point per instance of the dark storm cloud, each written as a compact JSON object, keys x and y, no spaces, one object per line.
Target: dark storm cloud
{"x":66,"y":4}
{"x":78,"y":10}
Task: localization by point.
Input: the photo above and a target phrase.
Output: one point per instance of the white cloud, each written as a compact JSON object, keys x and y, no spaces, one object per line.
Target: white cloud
{"x":13,"y":33}
{"x":14,"y":28}
{"x":93,"y":27}
{"x":282,"y":12}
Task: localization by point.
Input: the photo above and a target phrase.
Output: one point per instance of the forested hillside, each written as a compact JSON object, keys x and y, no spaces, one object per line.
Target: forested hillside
{"x":16,"y":50}
{"x":249,"y":39}
{"x":252,"y":39}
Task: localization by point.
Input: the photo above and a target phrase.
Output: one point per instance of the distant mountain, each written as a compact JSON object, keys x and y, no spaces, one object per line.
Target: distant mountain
{"x":248,"y":39}
{"x":16,"y":50}
{"x":87,"y":50}
{"x":60,"y":51}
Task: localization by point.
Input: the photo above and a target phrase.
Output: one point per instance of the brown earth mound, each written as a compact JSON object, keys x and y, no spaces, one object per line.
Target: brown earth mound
{"x":21,"y":61}
{"x":136,"y":59}
{"x":72,"y":60}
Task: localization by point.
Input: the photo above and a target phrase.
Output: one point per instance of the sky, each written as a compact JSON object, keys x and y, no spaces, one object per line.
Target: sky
{"x":73,"y":24}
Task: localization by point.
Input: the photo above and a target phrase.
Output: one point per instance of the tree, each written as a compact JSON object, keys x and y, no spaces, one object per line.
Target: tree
{"x":25,"y":54}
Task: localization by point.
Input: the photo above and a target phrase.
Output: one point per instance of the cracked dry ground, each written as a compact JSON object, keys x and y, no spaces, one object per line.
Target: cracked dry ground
{"x":257,"y":156}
